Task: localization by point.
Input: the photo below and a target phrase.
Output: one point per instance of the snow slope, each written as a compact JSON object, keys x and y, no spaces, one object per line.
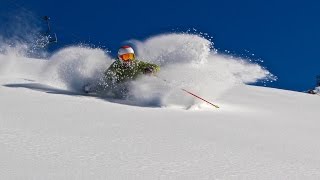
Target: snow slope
{"x":259,"y":133}
{"x":49,"y":130}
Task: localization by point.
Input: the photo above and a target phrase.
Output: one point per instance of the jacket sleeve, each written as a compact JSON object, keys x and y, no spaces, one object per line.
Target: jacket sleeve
{"x":110,"y":73}
{"x":144,"y":65}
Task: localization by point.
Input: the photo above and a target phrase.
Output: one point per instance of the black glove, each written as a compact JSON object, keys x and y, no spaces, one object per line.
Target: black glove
{"x":148,"y":70}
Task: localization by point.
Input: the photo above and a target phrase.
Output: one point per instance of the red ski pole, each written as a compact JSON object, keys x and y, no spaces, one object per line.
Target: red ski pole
{"x":192,"y":94}
{"x":200,"y":98}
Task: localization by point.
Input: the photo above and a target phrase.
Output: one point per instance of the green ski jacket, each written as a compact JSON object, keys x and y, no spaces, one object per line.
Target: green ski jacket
{"x":119,"y":72}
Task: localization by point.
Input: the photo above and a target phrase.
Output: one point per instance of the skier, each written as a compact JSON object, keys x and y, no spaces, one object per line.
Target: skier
{"x":121,"y":72}
{"x":127,"y":67}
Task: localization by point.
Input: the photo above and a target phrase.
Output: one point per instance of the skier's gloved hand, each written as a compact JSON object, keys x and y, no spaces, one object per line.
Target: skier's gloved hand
{"x":148,"y":70}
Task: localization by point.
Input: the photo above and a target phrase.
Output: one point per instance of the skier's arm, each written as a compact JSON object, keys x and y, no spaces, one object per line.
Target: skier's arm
{"x":110,"y":73}
{"x":149,"y":67}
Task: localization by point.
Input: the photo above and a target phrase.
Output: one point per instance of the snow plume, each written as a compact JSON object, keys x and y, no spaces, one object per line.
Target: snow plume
{"x":76,"y":66}
{"x":190,"y":62}
{"x":187,"y":61}
{"x":22,"y":40}
{"x":69,"y":68}
{"x":22,"y":34}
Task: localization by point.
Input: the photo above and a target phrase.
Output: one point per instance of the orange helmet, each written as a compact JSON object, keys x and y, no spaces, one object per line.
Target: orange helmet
{"x":126,"y":53}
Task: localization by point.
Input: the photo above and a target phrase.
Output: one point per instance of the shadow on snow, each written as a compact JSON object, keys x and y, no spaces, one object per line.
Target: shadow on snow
{"x":53,"y":90}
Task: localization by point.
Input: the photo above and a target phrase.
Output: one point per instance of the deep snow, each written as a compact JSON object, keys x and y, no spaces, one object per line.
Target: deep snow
{"x":49,"y":130}
{"x":187,"y":61}
{"x":259,"y":133}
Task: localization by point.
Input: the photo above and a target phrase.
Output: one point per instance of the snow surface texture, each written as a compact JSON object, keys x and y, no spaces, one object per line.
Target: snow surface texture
{"x":187,"y":61}
{"x":258,"y":133}
{"x":49,"y":130}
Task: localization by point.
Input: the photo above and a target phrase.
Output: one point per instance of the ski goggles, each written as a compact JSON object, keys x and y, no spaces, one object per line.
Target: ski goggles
{"x":127,"y":57}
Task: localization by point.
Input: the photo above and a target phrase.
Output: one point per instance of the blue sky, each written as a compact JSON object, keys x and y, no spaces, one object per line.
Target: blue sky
{"x":284,"y":34}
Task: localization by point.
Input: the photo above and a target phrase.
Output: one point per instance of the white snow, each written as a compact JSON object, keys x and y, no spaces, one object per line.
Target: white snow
{"x":317,"y":90}
{"x":48,"y":130}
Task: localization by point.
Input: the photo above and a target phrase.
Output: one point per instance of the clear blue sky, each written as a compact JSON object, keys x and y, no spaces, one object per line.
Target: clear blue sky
{"x":285,"y":34}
